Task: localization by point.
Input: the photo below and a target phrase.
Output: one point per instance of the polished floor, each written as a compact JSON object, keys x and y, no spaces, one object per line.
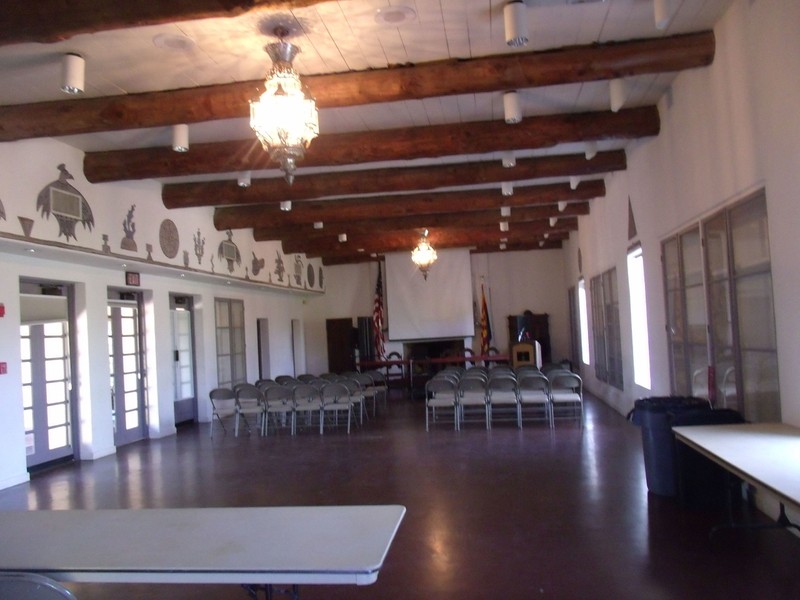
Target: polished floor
{"x":502,"y":514}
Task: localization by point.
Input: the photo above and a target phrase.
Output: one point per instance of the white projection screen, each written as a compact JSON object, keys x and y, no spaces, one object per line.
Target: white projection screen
{"x":440,"y":307}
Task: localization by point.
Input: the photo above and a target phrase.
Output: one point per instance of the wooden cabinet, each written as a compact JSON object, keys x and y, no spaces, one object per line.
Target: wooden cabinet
{"x":528,"y":327}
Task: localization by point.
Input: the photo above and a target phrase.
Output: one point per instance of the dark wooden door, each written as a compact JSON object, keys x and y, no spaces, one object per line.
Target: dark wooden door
{"x":342,"y":340}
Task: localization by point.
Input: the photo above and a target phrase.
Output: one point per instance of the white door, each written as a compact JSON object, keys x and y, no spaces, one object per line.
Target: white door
{"x":183,"y":360}
{"x":46,"y":390}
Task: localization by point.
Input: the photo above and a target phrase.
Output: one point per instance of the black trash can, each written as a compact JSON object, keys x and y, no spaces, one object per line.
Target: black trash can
{"x":656,"y":416}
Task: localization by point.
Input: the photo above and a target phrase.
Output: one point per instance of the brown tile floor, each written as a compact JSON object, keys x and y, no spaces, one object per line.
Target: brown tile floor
{"x":507,"y":514}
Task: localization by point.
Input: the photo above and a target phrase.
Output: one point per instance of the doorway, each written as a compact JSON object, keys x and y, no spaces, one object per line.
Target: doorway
{"x":125,"y":350}
{"x":47,"y":372}
{"x":182,"y":316}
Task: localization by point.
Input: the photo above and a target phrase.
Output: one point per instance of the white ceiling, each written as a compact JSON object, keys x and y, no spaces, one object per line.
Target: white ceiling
{"x":341,"y":36}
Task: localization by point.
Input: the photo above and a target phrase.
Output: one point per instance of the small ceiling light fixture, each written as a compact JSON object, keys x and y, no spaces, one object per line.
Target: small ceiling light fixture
{"x":507,"y":188}
{"x":515,"y":21}
{"x":394,"y":16}
{"x":318,"y":225}
{"x":512,"y":111}
{"x":73,"y":73}
{"x":562,"y":205}
{"x":573,"y":182}
{"x":553,"y":221}
{"x":286,"y":205}
{"x":618,"y":93}
{"x":546,"y":235}
{"x":180,"y":137}
{"x":505,"y":211}
{"x":509,"y":160}
{"x":504,"y":226}
{"x":502,"y":246}
{"x":591,"y":150}
{"x":285,"y":119}
{"x":342,"y":238}
{"x":661,"y":13}
{"x":423,"y":255}
{"x":244,"y":179}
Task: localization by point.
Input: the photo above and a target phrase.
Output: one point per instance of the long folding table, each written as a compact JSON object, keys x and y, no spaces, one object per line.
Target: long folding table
{"x":250,"y":546}
{"x":765,"y":455}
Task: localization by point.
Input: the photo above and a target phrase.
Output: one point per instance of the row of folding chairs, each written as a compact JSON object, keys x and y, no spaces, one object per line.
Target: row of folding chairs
{"x":285,"y":399}
{"x":524,"y":392}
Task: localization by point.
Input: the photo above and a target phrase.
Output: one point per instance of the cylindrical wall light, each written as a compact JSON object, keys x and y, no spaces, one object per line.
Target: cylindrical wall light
{"x":511,"y":108}
{"x":661,"y":13}
{"x":244,"y":179}
{"x":509,"y":160}
{"x":180,"y":137}
{"x":515,"y":20}
{"x":553,"y":221}
{"x":618,"y":93}
{"x":562,"y":205}
{"x":286,"y":205}
{"x":318,"y":225}
{"x":73,"y":73}
{"x":503,"y":225}
{"x":505,"y":211}
{"x":342,"y":237}
{"x":591,"y":150}
{"x":507,"y":188}
{"x":573,"y":182}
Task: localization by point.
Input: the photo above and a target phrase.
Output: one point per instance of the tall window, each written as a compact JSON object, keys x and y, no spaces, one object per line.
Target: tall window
{"x":734,"y":360}
{"x":583,"y":313}
{"x":605,"y":328}
{"x":231,"y":367}
{"x":640,"y":336}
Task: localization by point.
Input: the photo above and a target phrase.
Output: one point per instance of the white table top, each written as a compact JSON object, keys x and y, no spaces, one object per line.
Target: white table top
{"x":305,"y":544}
{"x":764,"y":454}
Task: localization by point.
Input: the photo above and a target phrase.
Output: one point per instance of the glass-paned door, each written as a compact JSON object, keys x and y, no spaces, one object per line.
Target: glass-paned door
{"x":231,"y":367}
{"x":742,"y":313}
{"x":686,"y":313}
{"x":183,"y":356}
{"x":127,"y":377}
{"x":46,"y":390}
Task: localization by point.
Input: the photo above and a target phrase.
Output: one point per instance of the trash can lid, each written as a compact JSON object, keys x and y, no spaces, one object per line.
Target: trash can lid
{"x":665,"y":404}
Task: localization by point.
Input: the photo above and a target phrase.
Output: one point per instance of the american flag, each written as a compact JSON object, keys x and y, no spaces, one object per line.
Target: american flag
{"x":486,"y":326}
{"x":377,"y":317}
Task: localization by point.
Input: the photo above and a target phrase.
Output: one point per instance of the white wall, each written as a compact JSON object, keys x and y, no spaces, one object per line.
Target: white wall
{"x":726,"y":131}
{"x":28,"y":167}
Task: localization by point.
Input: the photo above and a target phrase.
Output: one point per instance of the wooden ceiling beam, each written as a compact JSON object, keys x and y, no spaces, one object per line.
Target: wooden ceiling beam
{"x":443,"y":78}
{"x":22,"y":21}
{"x":377,"y":181}
{"x":330,"y":212}
{"x":490,"y":218}
{"x":400,"y":240}
{"x":349,"y":256}
{"x":375,"y":146}
{"x":361,"y":257}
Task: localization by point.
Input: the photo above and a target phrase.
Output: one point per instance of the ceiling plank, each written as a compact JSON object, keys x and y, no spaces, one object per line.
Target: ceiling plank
{"x":22,"y":21}
{"x":377,"y":181}
{"x":490,"y":218}
{"x":375,"y":146}
{"x":495,"y":73}
{"x":330,"y":212}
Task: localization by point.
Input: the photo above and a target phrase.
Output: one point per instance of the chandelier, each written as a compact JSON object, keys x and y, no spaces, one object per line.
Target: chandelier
{"x":284,"y":118}
{"x":423,"y":255}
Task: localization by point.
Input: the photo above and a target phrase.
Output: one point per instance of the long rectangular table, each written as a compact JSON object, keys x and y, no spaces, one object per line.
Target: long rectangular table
{"x":766,"y":455}
{"x":264,"y":546}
